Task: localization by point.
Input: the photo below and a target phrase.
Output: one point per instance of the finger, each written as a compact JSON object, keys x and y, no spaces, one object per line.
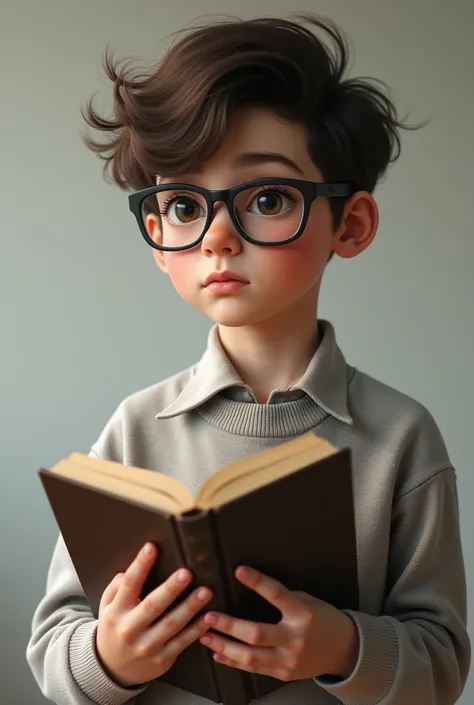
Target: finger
{"x":158,"y":600}
{"x":304,"y":597}
{"x":264,"y":671}
{"x":254,"y":657}
{"x":255,"y":633}
{"x":110,"y":591}
{"x":180,"y":617}
{"x":271,"y":590}
{"x":135,"y":576}
{"x":177,"y":644}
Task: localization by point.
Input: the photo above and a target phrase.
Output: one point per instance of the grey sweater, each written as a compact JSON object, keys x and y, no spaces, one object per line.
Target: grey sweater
{"x":414,"y":648}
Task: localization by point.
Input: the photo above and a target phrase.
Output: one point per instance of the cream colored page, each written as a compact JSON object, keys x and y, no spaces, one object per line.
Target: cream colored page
{"x":156,"y":481}
{"x":154,"y":489}
{"x":156,"y":498}
{"x":243,"y":476}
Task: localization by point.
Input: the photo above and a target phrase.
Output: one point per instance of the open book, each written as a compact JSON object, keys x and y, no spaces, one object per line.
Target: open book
{"x":287,"y":511}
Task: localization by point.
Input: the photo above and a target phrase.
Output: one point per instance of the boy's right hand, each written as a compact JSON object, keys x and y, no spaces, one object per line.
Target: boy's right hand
{"x":132,"y":646}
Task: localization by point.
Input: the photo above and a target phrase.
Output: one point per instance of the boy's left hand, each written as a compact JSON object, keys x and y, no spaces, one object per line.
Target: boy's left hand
{"x":312,"y":639}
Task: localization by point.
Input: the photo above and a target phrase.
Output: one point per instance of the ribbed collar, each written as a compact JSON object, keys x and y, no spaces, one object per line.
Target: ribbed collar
{"x":324,"y":385}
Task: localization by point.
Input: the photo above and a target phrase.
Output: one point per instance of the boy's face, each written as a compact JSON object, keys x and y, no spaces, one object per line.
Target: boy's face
{"x":280,"y":281}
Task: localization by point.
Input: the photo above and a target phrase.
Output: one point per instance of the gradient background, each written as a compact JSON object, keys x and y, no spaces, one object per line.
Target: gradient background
{"x":85,"y":316}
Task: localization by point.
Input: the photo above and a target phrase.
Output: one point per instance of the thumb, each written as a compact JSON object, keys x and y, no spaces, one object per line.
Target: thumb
{"x":110,"y":591}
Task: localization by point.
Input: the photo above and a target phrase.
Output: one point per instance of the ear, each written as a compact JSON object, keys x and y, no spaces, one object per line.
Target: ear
{"x":358,"y":226}
{"x":154,"y":231}
{"x":159,"y":257}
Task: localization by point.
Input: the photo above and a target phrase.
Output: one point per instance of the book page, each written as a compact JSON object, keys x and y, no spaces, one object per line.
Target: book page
{"x":245,"y":475}
{"x":149,"y":487}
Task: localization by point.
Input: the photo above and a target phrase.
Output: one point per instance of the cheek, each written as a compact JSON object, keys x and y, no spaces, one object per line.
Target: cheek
{"x":298,"y":264}
{"x":180,"y":267}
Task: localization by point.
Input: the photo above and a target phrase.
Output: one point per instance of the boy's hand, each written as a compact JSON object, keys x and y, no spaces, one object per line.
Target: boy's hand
{"x":132,"y":646}
{"x":312,"y":639}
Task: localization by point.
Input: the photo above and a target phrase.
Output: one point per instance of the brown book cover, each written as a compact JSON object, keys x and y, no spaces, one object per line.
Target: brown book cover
{"x":287,"y":511}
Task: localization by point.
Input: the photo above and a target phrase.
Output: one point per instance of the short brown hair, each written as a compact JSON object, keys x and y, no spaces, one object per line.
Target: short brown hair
{"x":174,"y":117}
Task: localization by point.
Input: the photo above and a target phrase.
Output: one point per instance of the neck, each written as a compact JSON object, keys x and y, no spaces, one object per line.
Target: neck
{"x":272,"y":354}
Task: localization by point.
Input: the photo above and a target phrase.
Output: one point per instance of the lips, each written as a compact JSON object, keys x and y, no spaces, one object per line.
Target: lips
{"x":226,"y":276}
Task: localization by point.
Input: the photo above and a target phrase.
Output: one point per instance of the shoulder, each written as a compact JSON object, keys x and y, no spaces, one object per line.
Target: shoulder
{"x":133,"y":419}
{"x":373,"y":400}
{"x":400,"y":427}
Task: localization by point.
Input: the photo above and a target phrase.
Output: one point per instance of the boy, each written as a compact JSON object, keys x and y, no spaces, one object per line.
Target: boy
{"x":255,"y":161}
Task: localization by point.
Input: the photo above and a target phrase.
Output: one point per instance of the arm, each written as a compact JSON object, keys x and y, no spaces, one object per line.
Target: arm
{"x":61,"y":651}
{"x":418,"y":652}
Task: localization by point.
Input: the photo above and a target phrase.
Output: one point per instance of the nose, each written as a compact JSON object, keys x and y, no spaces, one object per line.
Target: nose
{"x":222,"y":238}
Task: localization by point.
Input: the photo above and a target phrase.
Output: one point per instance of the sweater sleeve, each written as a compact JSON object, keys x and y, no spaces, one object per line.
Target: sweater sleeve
{"x":61,"y":650}
{"x":418,"y":651}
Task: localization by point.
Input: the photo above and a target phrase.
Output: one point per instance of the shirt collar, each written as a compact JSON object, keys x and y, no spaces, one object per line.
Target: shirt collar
{"x":325,"y":380}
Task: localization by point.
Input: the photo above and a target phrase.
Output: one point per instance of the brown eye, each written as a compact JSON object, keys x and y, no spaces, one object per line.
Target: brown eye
{"x":184,"y":210}
{"x":269,"y":203}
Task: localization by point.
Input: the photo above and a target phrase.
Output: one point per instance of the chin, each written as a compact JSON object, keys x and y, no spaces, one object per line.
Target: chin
{"x":231,"y":321}
{"x":237,"y":312}
{"x":230,"y":317}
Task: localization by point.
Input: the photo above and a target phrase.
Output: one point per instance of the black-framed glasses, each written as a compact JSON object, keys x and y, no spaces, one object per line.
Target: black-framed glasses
{"x":270,"y":211}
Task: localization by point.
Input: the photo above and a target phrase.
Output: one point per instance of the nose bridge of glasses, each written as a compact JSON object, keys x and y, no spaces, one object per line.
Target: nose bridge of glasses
{"x":220,"y":226}
{"x":220,"y":200}
{"x":221,"y":194}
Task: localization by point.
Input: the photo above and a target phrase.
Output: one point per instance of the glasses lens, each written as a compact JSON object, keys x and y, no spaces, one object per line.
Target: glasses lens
{"x":270,"y":213}
{"x":174,"y":218}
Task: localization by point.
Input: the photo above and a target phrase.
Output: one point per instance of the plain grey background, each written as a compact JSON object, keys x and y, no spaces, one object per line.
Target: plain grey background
{"x":86,"y":318}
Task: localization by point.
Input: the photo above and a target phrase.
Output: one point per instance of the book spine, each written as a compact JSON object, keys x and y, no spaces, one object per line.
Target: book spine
{"x":202,"y":557}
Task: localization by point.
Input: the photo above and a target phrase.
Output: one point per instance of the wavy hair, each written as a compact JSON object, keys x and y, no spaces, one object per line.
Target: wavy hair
{"x":172,"y":117}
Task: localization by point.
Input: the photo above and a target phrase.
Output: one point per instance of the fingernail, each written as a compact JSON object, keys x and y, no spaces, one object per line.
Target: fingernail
{"x":206,"y":640}
{"x":210,"y":618}
{"x":182,"y":576}
{"x":202,"y":594}
{"x":148,"y":550}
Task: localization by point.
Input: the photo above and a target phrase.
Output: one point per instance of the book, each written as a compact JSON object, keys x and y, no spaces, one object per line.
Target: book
{"x":286,"y":511}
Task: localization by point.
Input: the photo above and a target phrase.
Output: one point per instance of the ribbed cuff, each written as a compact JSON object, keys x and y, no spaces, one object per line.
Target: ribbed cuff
{"x":374,"y":674}
{"x":88,"y":672}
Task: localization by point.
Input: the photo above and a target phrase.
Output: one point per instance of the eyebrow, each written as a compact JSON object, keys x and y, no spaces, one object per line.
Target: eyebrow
{"x":256,"y":158}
